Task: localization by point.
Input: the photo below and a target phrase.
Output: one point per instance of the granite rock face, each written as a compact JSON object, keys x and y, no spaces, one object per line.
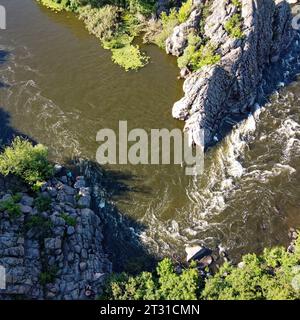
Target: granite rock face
{"x":231,"y":86}
{"x":52,"y":251}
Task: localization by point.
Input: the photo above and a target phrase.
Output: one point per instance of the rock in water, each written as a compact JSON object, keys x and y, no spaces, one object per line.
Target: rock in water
{"x":197,"y":253}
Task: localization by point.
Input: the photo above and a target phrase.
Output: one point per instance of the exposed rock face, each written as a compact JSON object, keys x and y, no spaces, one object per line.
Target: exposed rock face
{"x":177,"y":42}
{"x":54,"y":252}
{"x":232,"y":85}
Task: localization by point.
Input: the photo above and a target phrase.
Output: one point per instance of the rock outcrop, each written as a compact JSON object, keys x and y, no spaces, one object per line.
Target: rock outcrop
{"x":51,"y":245}
{"x":231,"y":85}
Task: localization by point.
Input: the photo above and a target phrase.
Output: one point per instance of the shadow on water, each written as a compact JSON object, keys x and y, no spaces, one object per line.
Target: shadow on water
{"x":121,"y":241}
{"x":7,"y":132}
{"x":119,"y":183}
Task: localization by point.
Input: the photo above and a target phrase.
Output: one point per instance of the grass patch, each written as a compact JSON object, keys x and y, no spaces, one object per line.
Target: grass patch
{"x":12,"y":207}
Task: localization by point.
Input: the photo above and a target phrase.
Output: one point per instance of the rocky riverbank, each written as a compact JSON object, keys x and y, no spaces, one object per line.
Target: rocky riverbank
{"x":248,"y":36}
{"x":51,"y":244}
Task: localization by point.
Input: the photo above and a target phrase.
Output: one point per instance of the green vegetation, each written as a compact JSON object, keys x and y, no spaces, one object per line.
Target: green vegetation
{"x":266,"y":277}
{"x":195,"y":56}
{"x":164,"y":284}
{"x":11,"y":206}
{"x":129,"y":57}
{"x":26,"y":161}
{"x":43,"y":203}
{"x":274,"y":275}
{"x":185,"y":11}
{"x":115,"y":23}
{"x":168,"y":23}
{"x":234,"y":25}
{"x":40,"y":224}
{"x":70,"y":221}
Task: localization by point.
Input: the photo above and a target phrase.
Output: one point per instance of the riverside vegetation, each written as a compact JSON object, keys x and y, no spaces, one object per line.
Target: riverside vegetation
{"x":117,"y":23}
{"x":275,"y":274}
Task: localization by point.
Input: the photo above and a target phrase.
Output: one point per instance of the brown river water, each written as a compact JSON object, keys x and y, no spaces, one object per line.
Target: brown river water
{"x":59,"y":87}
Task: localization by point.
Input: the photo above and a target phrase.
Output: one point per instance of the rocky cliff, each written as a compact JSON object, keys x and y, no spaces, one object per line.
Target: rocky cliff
{"x":232,"y":85}
{"x":51,"y":244}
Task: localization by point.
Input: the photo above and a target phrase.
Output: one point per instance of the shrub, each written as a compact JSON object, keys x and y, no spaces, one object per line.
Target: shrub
{"x":164,"y":284}
{"x":27,"y":162}
{"x":234,"y":26}
{"x":274,"y":275}
{"x":185,"y":59}
{"x":196,"y":58}
{"x":185,"y":11}
{"x":266,"y":277}
{"x":53,"y":5}
{"x":12,"y":207}
{"x":101,"y":22}
{"x":168,"y":22}
{"x":129,"y":57}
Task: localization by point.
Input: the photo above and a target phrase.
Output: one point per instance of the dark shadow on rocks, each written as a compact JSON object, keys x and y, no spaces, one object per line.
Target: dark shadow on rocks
{"x":275,"y":75}
{"x":121,"y":239}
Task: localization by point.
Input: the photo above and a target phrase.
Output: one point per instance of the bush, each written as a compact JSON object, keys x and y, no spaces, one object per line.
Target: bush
{"x":102,"y":22}
{"x":266,"y":277}
{"x":196,"y":58}
{"x":12,"y":207}
{"x":129,"y":57}
{"x":185,"y":11}
{"x":274,"y":275}
{"x":234,"y":26}
{"x":185,"y":59}
{"x":26,"y":161}
{"x":164,"y":284}
{"x":168,"y":22}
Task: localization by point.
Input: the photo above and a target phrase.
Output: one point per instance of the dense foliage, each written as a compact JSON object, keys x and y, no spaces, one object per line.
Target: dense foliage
{"x":114,"y":23}
{"x":274,"y":275}
{"x":234,"y":25}
{"x":26,"y":161}
{"x":164,"y":284}
{"x":196,"y":56}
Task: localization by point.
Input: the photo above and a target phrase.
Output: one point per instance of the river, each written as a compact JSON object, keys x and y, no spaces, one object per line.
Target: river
{"x":59,"y":87}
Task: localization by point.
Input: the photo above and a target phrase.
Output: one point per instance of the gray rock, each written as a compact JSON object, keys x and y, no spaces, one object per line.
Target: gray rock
{"x":230,"y":86}
{"x":82,"y":266}
{"x":84,"y":201}
{"x":70,"y":230}
{"x":25,"y":209}
{"x":27,"y":201}
{"x":53,"y":243}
